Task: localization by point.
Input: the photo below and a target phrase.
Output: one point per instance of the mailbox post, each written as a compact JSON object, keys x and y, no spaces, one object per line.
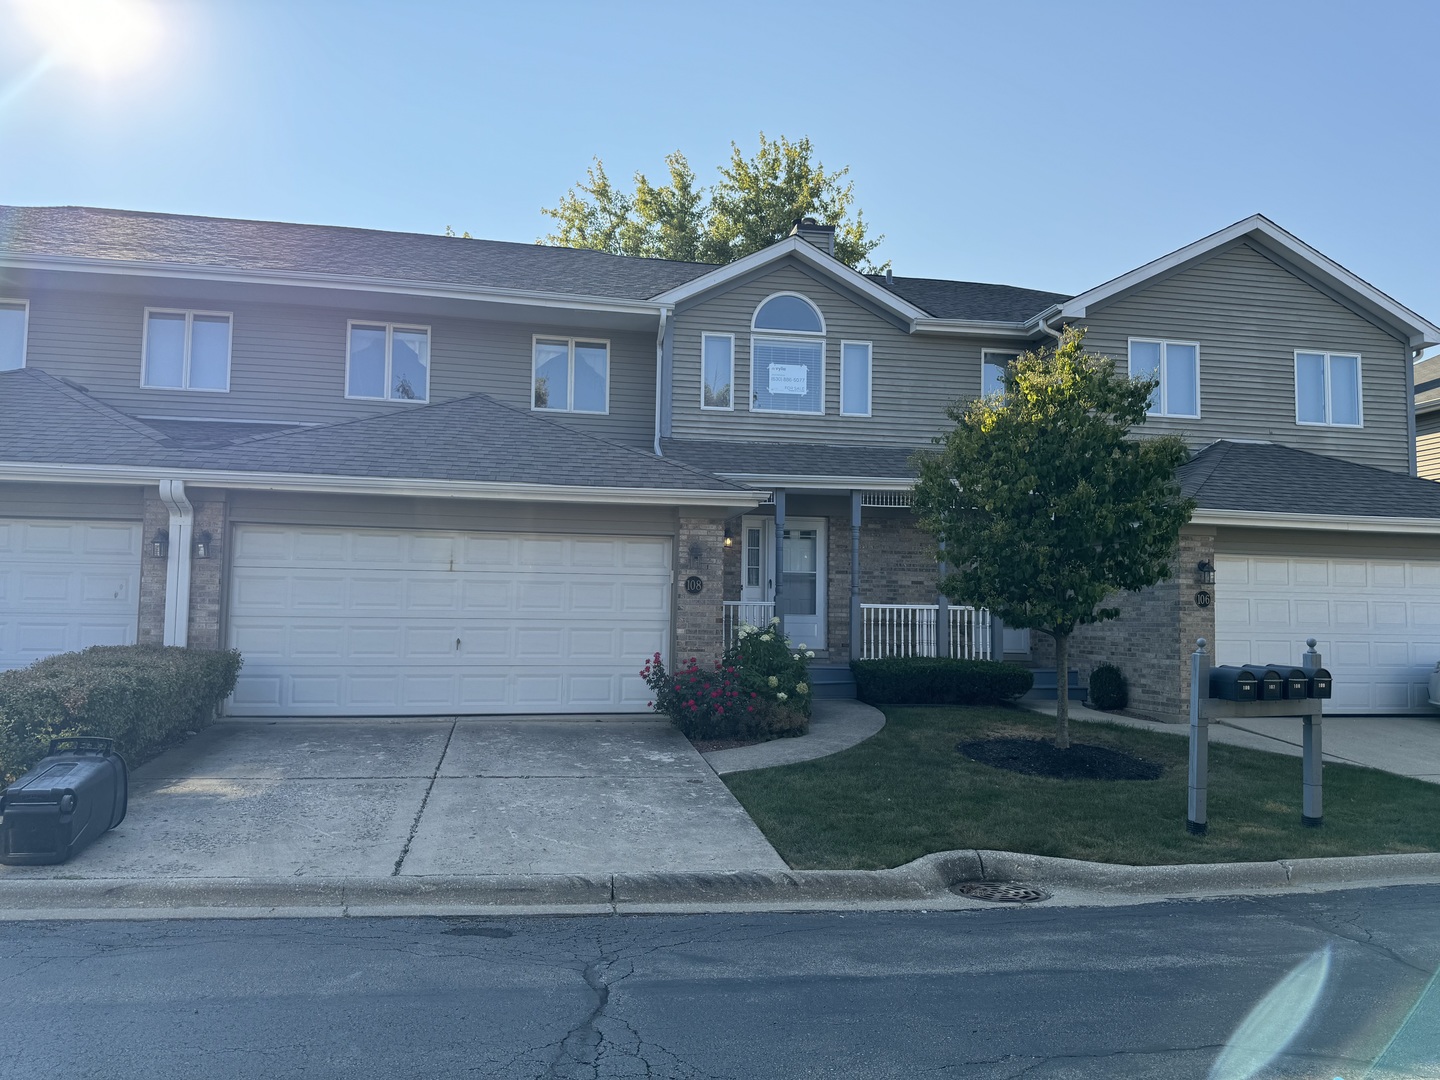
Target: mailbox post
{"x":1311,"y":808}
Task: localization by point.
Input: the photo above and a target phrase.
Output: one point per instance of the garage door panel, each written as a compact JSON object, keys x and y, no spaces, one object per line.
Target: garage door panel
{"x":1423,"y":614}
{"x":1352,"y":613}
{"x":1355,"y":574}
{"x":1388,"y":575}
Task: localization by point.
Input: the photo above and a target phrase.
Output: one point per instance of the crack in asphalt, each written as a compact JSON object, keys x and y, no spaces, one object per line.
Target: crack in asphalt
{"x":415,"y":825}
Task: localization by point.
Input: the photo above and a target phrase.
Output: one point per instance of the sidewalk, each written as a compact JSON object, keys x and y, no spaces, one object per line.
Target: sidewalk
{"x":835,"y":724}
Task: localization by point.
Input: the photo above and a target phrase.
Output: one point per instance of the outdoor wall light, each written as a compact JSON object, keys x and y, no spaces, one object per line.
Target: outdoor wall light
{"x":1205,"y":572}
{"x":203,"y":544}
{"x":160,"y":546}
{"x":696,"y":552}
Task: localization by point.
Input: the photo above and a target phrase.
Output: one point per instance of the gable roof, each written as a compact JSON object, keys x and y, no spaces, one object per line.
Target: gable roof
{"x":971,"y":300}
{"x":1427,"y":384}
{"x":1258,"y":229}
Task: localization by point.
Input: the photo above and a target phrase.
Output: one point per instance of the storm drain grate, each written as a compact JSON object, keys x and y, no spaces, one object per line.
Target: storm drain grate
{"x":1000,"y":892}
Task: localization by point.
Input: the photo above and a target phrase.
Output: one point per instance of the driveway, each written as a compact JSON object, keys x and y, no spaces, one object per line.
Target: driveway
{"x":417,"y":798}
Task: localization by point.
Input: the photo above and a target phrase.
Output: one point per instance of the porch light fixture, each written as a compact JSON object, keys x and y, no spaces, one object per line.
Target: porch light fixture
{"x":1205,"y":572}
{"x":160,"y":546}
{"x":203,"y":544}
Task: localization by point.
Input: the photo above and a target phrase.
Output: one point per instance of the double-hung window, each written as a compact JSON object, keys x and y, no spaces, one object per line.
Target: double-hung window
{"x":388,"y":362}
{"x":571,"y":375}
{"x":993,"y":365}
{"x":787,"y":356}
{"x":717,"y":374}
{"x":1327,"y":389}
{"x":14,"y":317}
{"x":186,"y":350}
{"x":855,"y":375}
{"x":1177,"y":365}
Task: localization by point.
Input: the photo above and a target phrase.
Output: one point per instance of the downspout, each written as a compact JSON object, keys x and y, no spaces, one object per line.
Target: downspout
{"x":1410,"y":416}
{"x":1044,"y":323}
{"x":177,"y":565}
{"x":659,"y":375}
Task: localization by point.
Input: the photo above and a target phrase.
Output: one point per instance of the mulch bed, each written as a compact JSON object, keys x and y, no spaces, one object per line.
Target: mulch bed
{"x":1035,"y":757}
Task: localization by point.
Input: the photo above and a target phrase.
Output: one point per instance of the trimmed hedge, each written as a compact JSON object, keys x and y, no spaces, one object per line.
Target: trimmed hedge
{"x":1108,"y":688}
{"x":144,"y":697}
{"x":925,"y":680}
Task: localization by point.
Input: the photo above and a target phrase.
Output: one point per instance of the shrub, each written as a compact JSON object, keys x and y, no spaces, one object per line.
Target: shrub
{"x":144,"y":697}
{"x":925,"y":680}
{"x":1108,"y":688}
{"x":771,"y":666}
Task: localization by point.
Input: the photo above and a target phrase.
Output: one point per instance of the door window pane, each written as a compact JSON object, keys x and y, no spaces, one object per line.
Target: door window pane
{"x":753,"y":555}
{"x":209,"y":352}
{"x":165,"y":349}
{"x":718,"y":364}
{"x":12,"y":336}
{"x":1182,"y":390}
{"x":366,"y":376}
{"x":785,"y":376}
{"x":800,"y":584}
{"x":410,"y":365}
{"x":1310,"y":388}
{"x":552,"y":375}
{"x":591,"y":362}
{"x":1345,"y":390}
{"x":855,"y":379}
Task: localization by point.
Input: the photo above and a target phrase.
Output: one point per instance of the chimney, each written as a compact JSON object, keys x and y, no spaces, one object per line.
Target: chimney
{"x":812,"y":232}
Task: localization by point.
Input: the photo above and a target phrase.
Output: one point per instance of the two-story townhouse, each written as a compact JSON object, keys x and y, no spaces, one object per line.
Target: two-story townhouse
{"x":426,"y":474}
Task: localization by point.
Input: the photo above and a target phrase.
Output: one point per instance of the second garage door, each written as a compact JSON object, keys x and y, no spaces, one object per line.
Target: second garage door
{"x":378,"y":622}
{"x":1377,"y":623}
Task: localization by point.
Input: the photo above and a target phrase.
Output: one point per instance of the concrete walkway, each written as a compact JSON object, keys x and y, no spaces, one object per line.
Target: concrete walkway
{"x":411,"y":799}
{"x":835,"y":724}
{"x":1404,"y":745}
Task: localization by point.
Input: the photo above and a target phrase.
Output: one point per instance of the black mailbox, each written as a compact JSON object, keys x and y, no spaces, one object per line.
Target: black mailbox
{"x":1297,"y":681}
{"x":75,"y":793}
{"x":1320,"y":683}
{"x":1272,"y":683}
{"x":1233,"y":684}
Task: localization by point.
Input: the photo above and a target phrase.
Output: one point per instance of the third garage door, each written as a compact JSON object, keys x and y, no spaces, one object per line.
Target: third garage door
{"x":355,"y":622}
{"x":1376,"y":621}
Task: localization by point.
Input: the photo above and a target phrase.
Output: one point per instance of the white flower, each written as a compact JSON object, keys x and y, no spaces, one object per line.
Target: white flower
{"x":810,"y":655}
{"x":775,"y":621}
{"x":801,"y":647}
{"x":780,"y":696}
{"x":795,"y":656}
{"x":767,"y":637}
{"x":802,"y":688}
{"x":746,"y":631}
{"x":773,"y":681}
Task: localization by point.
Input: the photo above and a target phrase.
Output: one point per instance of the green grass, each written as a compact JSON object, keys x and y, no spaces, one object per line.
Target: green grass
{"x":907,"y":792}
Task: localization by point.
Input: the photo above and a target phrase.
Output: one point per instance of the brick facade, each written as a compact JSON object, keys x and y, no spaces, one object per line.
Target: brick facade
{"x":206,"y":575}
{"x":699,"y":618}
{"x":151,"y":628}
{"x":897,"y":559}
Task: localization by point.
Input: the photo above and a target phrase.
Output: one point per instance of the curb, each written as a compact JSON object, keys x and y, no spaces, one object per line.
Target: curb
{"x":925,"y":882}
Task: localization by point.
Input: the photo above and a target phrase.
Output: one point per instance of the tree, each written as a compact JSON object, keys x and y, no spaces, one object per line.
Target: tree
{"x":752,"y":205}
{"x":1046,"y":505}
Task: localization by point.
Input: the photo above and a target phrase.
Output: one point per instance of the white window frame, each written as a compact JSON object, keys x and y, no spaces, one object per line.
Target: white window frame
{"x":869,"y":377}
{"x":798,"y":333}
{"x":390,"y":328}
{"x":706,"y":336}
{"x":809,"y":336}
{"x":1011,"y":355}
{"x":1329,"y":384}
{"x":1164,"y":343}
{"x":570,"y":373}
{"x":189,"y":314}
{"x":25,"y":330}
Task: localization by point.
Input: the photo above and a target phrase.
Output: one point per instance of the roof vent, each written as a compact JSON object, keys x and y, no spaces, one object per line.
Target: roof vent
{"x":889,"y":276}
{"x":812,"y":232}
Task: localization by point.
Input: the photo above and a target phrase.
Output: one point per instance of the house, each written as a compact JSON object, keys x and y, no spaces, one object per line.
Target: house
{"x":427,"y":474}
{"x":1427,"y":418}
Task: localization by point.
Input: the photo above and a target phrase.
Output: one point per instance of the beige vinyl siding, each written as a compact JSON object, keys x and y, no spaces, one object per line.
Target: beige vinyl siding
{"x":913,"y":378}
{"x":288,"y":361}
{"x":1319,"y":544}
{"x":72,"y":501}
{"x":1249,"y":316}
{"x":1427,"y":445}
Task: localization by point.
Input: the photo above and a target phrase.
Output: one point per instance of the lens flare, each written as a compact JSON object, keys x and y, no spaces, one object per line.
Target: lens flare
{"x":101,"y":37}
{"x":1275,"y":1020}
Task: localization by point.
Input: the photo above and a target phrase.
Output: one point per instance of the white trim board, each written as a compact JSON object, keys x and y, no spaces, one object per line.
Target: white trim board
{"x":1256,"y":519}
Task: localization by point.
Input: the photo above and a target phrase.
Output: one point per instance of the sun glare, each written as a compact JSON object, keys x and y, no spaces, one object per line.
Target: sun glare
{"x":102,"y":37}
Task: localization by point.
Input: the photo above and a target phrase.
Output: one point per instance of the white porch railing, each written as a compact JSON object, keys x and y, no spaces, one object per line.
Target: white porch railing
{"x":889,"y":630}
{"x":740,"y":613}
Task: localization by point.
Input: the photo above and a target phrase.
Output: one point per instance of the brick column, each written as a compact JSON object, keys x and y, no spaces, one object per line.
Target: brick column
{"x":206,"y":575}
{"x":699,"y":617}
{"x":1194,"y":621}
{"x":151,"y":627}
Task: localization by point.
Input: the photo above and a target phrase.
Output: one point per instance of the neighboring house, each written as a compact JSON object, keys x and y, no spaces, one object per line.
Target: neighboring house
{"x":1427,"y":417}
{"x":424,"y":474}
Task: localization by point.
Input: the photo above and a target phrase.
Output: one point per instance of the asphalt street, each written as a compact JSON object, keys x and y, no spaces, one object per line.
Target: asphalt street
{"x":1339,"y":984}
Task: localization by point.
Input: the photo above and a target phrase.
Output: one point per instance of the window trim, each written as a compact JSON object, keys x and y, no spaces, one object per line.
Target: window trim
{"x":812,"y":334}
{"x":1013,"y":354}
{"x":570,"y":373}
{"x":390,"y":328}
{"x":705,"y":336}
{"x":25,"y":332}
{"x":1329,"y":383}
{"x":869,"y":377}
{"x":806,"y":339}
{"x":1164,"y":343}
{"x":189,"y":314}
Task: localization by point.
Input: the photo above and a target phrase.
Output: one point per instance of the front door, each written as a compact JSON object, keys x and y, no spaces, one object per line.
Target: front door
{"x":802,"y":592}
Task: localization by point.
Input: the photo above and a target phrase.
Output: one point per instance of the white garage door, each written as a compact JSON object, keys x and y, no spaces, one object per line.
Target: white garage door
{"x":376,"y":622}
{"x":66,"y":585}
{"x":1376,"y":623}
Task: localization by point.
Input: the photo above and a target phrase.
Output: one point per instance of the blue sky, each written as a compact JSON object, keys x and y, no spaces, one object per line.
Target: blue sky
{"x":1051,"y":145}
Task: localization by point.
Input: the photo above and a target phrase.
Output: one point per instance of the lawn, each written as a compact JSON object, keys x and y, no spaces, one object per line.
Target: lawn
{"x":907,"y":792}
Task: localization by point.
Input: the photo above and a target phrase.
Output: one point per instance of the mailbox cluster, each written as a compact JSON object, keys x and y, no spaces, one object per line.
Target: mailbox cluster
{"x":1265,"y":682}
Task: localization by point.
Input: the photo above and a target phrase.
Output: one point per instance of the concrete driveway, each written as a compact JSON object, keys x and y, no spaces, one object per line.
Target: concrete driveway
{"x":416,"y":798}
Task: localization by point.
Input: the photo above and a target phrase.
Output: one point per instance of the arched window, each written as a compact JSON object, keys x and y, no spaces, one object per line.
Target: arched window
{"x":787,"y":356}
{"x":788,"y":313}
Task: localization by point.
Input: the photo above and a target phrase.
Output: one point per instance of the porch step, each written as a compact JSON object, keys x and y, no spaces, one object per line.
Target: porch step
{"x":832,"y":681}
{"x":1044,"y":688}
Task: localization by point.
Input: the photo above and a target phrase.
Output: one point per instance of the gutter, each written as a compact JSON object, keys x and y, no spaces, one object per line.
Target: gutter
{"x":177,"y":564}
{"x":1042,"y":322}
{"x":1359,"y":523}
{"x":870,"y":483}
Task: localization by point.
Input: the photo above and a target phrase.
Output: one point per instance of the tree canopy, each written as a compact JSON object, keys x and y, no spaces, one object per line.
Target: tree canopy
{"x":753,"y":204}
{"x":1046,"y":503}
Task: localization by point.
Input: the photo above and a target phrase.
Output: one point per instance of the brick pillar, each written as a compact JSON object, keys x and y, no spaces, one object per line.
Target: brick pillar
{"x":699,"y":617}
{"x":206,"y":575}
{"x":151,"y":627}
{"x":1195,"y":621}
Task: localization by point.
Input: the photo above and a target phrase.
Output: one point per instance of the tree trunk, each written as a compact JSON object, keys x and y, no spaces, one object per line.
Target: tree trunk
{"x":1062,"y":691}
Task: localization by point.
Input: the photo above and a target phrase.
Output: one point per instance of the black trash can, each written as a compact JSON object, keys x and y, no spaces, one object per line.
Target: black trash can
{"x":72,"y":795}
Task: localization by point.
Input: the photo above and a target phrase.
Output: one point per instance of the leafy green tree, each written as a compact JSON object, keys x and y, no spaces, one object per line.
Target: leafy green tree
{"x":753,"y":204}
{"x":1046,"y":504}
